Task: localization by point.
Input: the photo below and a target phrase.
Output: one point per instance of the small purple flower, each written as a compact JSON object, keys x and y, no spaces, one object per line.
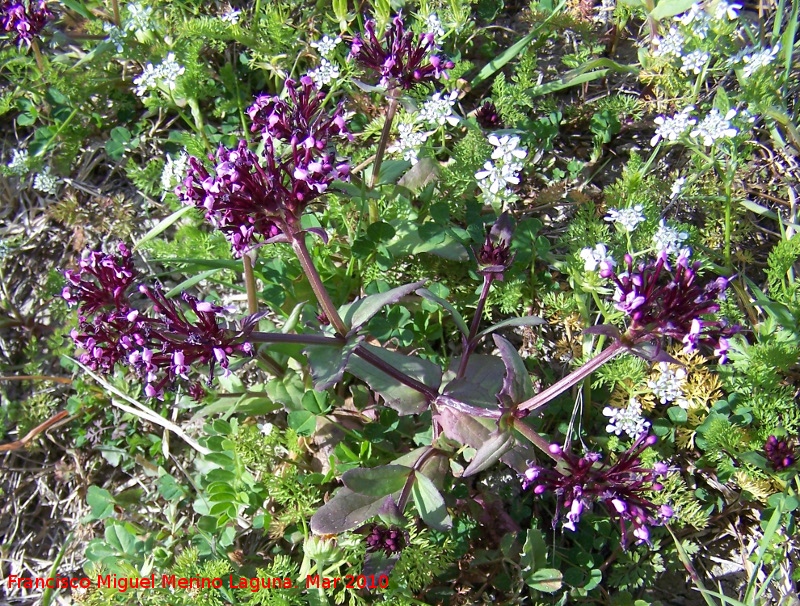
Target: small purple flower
{"x":779,"y":453}
{"x":661,"y":301}
{"x":402,"y":59}
{"x":620,"y":488}
{"x":299,"y":121}
{"x":488,"y":116}
{"x":101,"y":280}
{"x":389,"y":540}
{"x":495,"y":257}
{"x":26,"y":20}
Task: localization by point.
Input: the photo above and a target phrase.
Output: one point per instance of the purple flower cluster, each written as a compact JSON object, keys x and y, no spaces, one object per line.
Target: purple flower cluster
{"x":661,"y":301}
{"x":160,"y":345}
{"x":620,"y":488}
{"x":779,"y":453}
{"x":26,"y":20}
{"x":403,"y":59}
{"x":488,"y":116}
{"x":254,"y":199}
{"x":495,"y":256}
{"x":389,"y":540}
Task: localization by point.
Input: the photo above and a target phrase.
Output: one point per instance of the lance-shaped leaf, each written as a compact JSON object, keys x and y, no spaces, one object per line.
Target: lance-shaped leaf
{"x":514,"y":322}
{"x":468,"y":430}
{"x":328,"y":363}
{"x":517,"y":383}
{"x":345,"y":511}
{"x":429,"y":503}
{"x":359,"y":312}
{"x":377,"y":481}
{"x":490,"y":452}
{"x":457,"y":318}
{"x":404,"y":399}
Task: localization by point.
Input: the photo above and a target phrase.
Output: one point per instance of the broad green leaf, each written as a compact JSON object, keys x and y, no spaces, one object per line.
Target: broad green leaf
{"x":101,"y":502}
{"x":547,"y":580}
{"x":302,"y":422}
{"x":392,"y":170}
{"x":669,"y":8}
{"x":359,"y":312}
{"x":430,"y":503}
{"x":346,"y":510}
{"x":377,"y":481}
{"x":328,"y":363}
{"x":119,"y":538}
{"x":457,"y":318}
{"x":490,"y":452}
{"x":164,"y":224}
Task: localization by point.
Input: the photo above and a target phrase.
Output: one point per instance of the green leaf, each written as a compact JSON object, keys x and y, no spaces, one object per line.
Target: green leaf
{"x":429,"y":503}
{"x":547,"y":580}
{"x":120,"y":539}
{"x":490,"y":452}
{"x":302,"y":422}
{"x":101,"y":502}
{"x":669,"y":8}
{"x":328,"y":363}
{"x":457,"y":318}
{"x":189,"y":282}
{"x":521,"y":321}
{"x":377,"y":481}
{"x":380,"y":231}
{"x":392,"y":170}
{"x":163,"y":225}
{"x":358,"y":313}
{"x":534,"y":552}
{"x":677,"y":414}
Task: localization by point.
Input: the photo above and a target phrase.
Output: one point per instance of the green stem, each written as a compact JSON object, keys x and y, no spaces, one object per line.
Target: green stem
{"x":542,"y":398}
{"x":300,"y":249}
{"x":394,"y":100}
{"x":250,"y":284}
{"x":279,"y":337}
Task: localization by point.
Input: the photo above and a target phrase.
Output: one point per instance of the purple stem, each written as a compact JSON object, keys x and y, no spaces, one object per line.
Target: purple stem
{"x":542,"y":398}
{"x":469,"y":341}
{"x":369,"y":357}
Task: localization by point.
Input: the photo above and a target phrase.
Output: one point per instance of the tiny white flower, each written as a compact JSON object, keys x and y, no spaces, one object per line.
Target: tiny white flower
{"x":45,"y":182}
{"x":694,"y":62}
{"x":506,"y":149}
{"x":324,"y":73}
{"x":231,"y":16}
{"x":409,"y":142}
{"x":138,"y":18}
{"x":434,"y":26}
{"x":668,"y":387}
{"x":597,"y":257}
{"x":627,"y":218}
{"x":169,"y":71}
{"x":19,"y":162}
{"x":265,"y":428}
{"x":628,"y":420}
{"x":677,"y":186}
{"x":670,"y":129}
{"x":670,"y":44}
{"x":491,"y":178}
{"x":164,"y":75}
{"x":115,"y":35}
{"x":757,"y":60}
{"x":727,"y":9}
{"x":668,"y":239}
{"x":174,"y":171}
{"x":438,"y":110}
{"x":715,"y":126}
{"x":697,"y":18}
{"x":327,"y":45}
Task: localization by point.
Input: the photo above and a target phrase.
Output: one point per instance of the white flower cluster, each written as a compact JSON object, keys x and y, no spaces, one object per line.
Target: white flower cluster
{"x":327,"y":45}
{"x":670,"y":129}
{"x":669,"y":240}
{"x":715,"y":126}
{"x":677,"y":187}
{"x":502,"y":170}
{"x":627,"y":218}
{"x":139,"y":18}
{"x":164,"y":75}
{"x":727,"y":9}
{"x":324,"y":73}
{"x":758,"y":59}
{"x":19,"y":162}
{"x":174,"y":171}
{"x":668,"y":387}
{"x":46,"y":182}
{"x":597,"y":257}
{"x":694,"y":62}
{"x":115,"y":35}
{"x":409,"y":142}
{"x":231,"y":16}
{"x":438,"y":110}
{"x":697,"y":19}
{"x":671,"y":44}
{"x":433,"y":25}
{"x":627,"y":420}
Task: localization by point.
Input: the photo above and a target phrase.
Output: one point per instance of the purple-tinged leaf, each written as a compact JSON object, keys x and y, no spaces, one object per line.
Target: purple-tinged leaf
{"x":359,"y":312}
{"x":345,"y":511}
{"x":430,"y":503}
{"x":328,"y":363}
{"x":516,"y":383}
{"x":390,"y":513}
{"x":376,"y":481}
{"x":490,"y":452}
{"x":480,"y":384}
{"x":606,"y":330}
{"x":521,"y":321}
